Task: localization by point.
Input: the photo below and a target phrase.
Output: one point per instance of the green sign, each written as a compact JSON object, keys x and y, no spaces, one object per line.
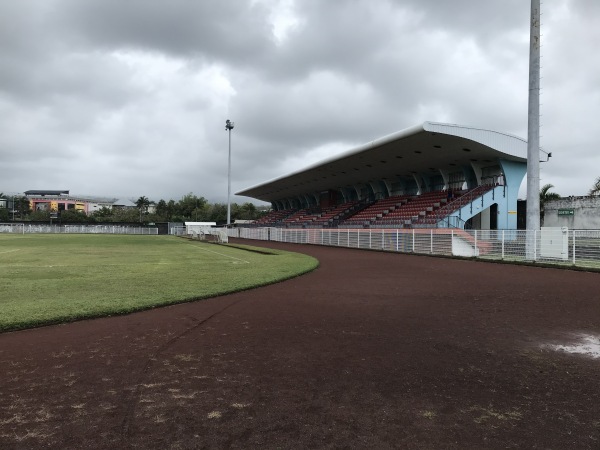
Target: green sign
{"x":566,"y":212}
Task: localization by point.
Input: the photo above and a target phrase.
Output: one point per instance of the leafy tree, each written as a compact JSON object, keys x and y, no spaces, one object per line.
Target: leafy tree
{"x":190,"y":206}
{"x":248,"y":211}
{"x":104,"y":213}
{"x":216,"y":212}
{"x":4,"y":216}
{"x":546,"y":196}
{"x":170,"y":210}
{"x":125,"y":215}
{"x":40,"y":216}
{"x":75,"y":216}
{"x":22,"y":206}
{"x":162,"y":209}
{"x":595,"y":189}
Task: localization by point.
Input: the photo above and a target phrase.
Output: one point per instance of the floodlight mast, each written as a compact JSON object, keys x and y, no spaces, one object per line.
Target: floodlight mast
{"x":228,"y":127}
{"x":533,"y":134}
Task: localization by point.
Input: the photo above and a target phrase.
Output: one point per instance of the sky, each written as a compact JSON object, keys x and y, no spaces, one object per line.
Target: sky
{"x":128,"y":98}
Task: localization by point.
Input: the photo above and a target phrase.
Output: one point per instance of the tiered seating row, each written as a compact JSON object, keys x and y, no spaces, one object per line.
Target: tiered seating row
{"x":399,"y":210}
{"x":403,"y":211}
{"x":333,"y":213}
{"x":318,"y":218}
{"x":274,"y":217}
{"x":298,"y":216}
{"x":461,"y":199}
{"x":377,"y":209}
{"x":305,"y":217}
{"x":416,"y":209}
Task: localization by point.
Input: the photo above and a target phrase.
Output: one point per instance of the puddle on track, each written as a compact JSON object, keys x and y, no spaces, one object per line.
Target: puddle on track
{"x":588,"y":345}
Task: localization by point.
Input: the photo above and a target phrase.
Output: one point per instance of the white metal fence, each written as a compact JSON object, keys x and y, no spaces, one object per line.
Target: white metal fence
{"x":552,"y":245}
{"x":178,"y":231}
{"x":20,"y":228}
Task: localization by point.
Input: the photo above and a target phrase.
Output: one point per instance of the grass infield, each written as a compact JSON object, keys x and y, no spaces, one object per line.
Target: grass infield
{"x":47,"y":279}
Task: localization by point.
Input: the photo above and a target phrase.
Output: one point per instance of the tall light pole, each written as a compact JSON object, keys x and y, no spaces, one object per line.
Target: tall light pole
{"x":228,"y":127}
{"x":533,"y":133}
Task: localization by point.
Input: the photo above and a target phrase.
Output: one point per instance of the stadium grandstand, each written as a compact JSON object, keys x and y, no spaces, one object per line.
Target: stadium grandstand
{"x":433,"y":175}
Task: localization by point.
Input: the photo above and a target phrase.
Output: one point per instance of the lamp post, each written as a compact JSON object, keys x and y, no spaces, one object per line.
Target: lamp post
{"x":228,"y":127}
{"x":533,"y":134}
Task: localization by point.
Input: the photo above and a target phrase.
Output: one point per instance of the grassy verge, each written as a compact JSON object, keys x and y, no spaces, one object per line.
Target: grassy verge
{"x":46,"y":279}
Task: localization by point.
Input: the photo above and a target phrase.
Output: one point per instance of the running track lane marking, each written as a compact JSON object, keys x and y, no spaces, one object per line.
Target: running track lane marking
{"x":10,"y":251}
{"x":222,"y":254}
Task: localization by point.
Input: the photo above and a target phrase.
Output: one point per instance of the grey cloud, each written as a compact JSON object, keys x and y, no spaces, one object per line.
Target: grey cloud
{"x":218,"y":30}
{"x":130,"y":97}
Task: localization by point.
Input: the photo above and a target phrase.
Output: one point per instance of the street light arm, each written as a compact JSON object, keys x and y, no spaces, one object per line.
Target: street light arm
{"x":228,"y":127}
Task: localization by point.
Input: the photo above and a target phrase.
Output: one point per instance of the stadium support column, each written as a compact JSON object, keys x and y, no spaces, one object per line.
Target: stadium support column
{"x":533,"y":133}
{"x":228,"y":127}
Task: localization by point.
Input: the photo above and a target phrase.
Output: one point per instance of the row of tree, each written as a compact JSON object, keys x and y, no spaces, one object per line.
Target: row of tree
{"x":546,"y":195}
{"x":188,"y":208}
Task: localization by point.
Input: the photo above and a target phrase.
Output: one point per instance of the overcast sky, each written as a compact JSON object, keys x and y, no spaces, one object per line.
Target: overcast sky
{"x":126,"y":98}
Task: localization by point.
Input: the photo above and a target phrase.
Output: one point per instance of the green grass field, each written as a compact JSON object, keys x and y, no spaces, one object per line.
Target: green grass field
{"x":47,"y":279}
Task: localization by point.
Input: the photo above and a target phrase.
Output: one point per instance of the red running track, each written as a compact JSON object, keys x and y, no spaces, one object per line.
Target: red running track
{"x":371,"y":350}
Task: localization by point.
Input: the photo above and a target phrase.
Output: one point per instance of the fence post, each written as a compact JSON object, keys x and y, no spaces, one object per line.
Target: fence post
{"x":413,"y":239}
{"x":431,"y":241}
{"x":502,"y":244}
{"x":348,"y":237}
{"x":476,"y":249}
{"x":397,"y":236}
{"x":370,"y":239}
{"x":574,"y":261}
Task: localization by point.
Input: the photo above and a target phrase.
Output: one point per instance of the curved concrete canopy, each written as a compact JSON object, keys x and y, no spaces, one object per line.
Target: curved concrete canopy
{"x":428,"y":148}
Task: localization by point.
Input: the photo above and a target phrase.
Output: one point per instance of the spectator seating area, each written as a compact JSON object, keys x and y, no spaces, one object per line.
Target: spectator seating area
{"x":405,"y":211}
{"x":401,"y":211}
{"x":375,"y":211}
{"x":457,"y":202}
{"x":273,"y":218}
{"x":417,"y":209}
{"x":318,"y":218}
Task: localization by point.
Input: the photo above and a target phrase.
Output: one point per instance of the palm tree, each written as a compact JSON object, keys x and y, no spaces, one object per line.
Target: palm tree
{"x":546,"y":196}
{"x":595,"y":190}
{"x":142,"y":203}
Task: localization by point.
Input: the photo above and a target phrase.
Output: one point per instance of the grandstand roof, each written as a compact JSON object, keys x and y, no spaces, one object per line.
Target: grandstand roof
{"x":425,"y":148}
{"x":45,"y":192}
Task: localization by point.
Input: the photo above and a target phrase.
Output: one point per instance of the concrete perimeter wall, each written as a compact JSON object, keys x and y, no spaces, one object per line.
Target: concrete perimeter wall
{"x":576,"y":213}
